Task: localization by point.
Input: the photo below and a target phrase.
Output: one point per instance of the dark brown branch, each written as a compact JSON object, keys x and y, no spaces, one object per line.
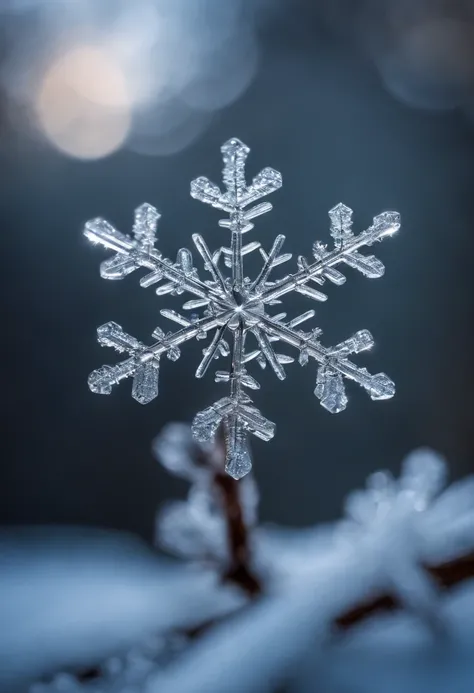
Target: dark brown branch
{"x":446,"y":575}
{"x":239,"y":571}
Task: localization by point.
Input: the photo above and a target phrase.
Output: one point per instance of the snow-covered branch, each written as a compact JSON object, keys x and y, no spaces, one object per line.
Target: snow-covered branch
{"x":394,"y":576}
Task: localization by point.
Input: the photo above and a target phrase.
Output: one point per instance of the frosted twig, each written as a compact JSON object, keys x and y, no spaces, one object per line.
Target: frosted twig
{"x":221,"y":509}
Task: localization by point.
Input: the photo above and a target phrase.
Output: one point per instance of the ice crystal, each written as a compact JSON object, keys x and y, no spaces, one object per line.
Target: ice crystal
{"x":235,"y":306}
{"x":386,"y":499}
{"x":389,"y":515}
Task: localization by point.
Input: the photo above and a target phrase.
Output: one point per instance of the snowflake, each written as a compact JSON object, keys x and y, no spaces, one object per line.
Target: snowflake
{"x":237,"y":306}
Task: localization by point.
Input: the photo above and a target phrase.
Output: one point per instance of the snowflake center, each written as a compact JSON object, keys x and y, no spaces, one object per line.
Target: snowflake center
{"x":239,"y":300}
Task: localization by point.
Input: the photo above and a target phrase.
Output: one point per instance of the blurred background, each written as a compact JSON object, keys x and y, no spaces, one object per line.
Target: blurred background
{"x":105,"y":105}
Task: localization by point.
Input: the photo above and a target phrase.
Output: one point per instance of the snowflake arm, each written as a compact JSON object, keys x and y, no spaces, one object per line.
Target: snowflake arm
{"x":144,"y":362}
{"x":209,"y":263}
{"x":334,"y":365}
{"x":132,"y":253}
{"x":235,"y":307}
{"x":237,"y":197}
{"x":346,"y":251}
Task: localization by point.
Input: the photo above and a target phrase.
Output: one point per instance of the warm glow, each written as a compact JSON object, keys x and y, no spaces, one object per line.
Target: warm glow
{"x":83,"y":104}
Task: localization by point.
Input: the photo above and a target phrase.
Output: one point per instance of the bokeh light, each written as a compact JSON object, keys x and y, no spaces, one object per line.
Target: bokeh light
{"x":423,"y":50}
{"x":82,"y":105}
{"x":431,"y":64}
{"x":166,"y":127}
{"x":159,"y":70}
{"x":226,"y":75}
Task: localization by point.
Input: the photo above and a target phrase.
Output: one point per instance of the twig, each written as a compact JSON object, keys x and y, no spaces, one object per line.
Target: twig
{"x":446,"y":575}
{"x":239,"y":571}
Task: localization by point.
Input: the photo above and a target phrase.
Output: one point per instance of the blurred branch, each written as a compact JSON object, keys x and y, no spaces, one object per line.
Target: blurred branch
{"x":401,"y":547}
{"x":239,"y":571}
{"x":446,"y":575}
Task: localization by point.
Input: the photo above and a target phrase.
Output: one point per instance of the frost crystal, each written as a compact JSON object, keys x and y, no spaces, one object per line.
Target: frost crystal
{"x":235,"y":307}
{"x":391,"y":517}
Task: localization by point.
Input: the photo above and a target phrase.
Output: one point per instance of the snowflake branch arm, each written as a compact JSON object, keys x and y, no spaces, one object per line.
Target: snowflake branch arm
{"x":237,"y":197}
{"x":209,"y":262}
{"x":211,"y":351}
{"x":143,"y":364}
{"x":384,"y":225}
{"x":269,"y":263}
{"x":269,"y":353}
{"x":334,"y":364}
{"x":203,"y":325}
{"x":236,"y":413}
{"x":132,"y":253}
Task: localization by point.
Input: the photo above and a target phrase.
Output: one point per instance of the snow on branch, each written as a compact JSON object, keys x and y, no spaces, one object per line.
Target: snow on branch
{"x":314,"y":597}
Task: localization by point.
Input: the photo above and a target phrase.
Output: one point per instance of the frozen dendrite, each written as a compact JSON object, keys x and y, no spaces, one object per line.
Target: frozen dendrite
{"x":235,"y":307}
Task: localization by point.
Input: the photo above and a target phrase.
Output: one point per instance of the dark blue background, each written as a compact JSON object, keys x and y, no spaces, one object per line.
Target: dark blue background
{"x":318,"y":112}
